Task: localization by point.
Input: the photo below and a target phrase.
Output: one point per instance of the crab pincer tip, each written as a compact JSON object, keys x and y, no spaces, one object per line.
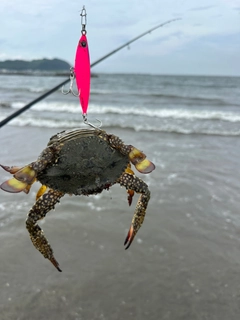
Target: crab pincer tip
{"x":55,"y":263}
{"x":6,"y":168}
{"x":12,"y":169}
{"x":129,"y":238}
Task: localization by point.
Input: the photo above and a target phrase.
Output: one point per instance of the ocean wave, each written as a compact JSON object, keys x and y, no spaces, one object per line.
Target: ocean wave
{"x":172,"y":113}
{"x":51,"y":106}
{"x":25,"y":91}
{"x":171,"y":97}
{"x":166,"y":128}
{"x":138,"y":111}
{"x":38,"y":89}
{"x":5,"y":105}
{"x":17,"y":105}
{"x":46,"y":123}
{"x":177,"y":98}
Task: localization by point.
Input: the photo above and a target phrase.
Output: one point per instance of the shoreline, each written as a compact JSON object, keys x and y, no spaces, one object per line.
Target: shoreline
{"x":31,"y":73}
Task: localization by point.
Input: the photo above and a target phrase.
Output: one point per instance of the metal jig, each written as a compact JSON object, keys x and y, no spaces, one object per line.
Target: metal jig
{"x":82,"y":67}
{"x":71,"y":90}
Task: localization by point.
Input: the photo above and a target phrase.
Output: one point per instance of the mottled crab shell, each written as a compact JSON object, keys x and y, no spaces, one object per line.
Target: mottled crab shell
{"x":86,"y":163}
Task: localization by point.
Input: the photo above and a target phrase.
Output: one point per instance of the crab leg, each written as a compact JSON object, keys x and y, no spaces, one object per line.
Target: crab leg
{"x":131,"y":182}
{"x":130,"y":192}
{"x":44,"y":204}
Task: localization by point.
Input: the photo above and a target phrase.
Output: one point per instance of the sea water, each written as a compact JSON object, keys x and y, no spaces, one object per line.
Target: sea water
{"x":185,"y":260}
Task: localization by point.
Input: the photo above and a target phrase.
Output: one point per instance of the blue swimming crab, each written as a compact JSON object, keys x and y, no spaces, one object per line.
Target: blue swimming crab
{"x":80,"y":162}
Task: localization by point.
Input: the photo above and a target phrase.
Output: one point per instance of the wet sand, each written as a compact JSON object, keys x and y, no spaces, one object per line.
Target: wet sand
{"x":184,"y":263}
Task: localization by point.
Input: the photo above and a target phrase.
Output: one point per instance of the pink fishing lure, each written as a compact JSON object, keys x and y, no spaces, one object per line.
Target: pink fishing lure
{"x":82,"y":72}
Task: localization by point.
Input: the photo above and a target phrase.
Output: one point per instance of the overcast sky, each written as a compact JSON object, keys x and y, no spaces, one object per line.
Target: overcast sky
{"x":205,"y":41}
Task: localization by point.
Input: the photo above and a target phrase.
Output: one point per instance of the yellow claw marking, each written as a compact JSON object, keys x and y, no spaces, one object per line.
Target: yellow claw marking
{"x":136,"y":156}
{"x":13,"y":186}
{"x":129,"y":170}
{"x":41,"y":191}
{"x":28,"y":187}
{"x":26,"y":174}
{"x":145,"y":166}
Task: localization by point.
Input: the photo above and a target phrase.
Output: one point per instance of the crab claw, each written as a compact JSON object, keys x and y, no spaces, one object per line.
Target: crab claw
{"x":129,"y":170}
{"x":145,"y":166}
{"x":26,"y":174}
{"x":55,"y":263}
{"x":11,"y":169}
{"x":13,"y":186}
{"x":138,"y":158}
{"x":130,"y":236}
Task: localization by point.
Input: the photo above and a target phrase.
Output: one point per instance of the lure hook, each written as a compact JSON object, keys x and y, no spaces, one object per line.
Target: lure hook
{"x":85,"y":120}
{"x":71,"y":90}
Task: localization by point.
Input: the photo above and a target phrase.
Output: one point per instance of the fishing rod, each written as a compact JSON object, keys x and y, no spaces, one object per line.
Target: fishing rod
{"x":27,"y":106}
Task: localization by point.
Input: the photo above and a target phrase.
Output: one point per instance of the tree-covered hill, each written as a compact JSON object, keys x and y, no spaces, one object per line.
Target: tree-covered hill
{"x":35,"y":65}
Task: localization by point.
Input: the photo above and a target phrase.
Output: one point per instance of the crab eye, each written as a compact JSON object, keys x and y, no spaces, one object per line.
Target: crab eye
{"x":83,"y":44}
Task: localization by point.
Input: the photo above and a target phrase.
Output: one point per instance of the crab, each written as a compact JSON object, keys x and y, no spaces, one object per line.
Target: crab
{"x":80,"y":162}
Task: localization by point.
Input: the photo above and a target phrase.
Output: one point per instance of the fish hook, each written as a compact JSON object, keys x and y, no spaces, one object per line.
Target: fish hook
{"x":85,"y":120}
{"x":70,"y":90}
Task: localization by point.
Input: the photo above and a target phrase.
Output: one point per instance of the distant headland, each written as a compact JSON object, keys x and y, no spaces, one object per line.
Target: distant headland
{"x":41,"y":66}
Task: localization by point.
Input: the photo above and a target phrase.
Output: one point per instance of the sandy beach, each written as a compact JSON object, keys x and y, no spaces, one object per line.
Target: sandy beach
{"x":183,"y":264}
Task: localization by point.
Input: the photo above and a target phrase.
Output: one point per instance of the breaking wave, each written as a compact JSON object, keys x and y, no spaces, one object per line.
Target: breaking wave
{"x":167,"y":128}
{"x":162,"y":113}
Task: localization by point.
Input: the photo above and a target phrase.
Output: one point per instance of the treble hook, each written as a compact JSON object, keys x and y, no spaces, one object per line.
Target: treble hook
{"x":85,"y":120}
{"x":72,"y":77}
